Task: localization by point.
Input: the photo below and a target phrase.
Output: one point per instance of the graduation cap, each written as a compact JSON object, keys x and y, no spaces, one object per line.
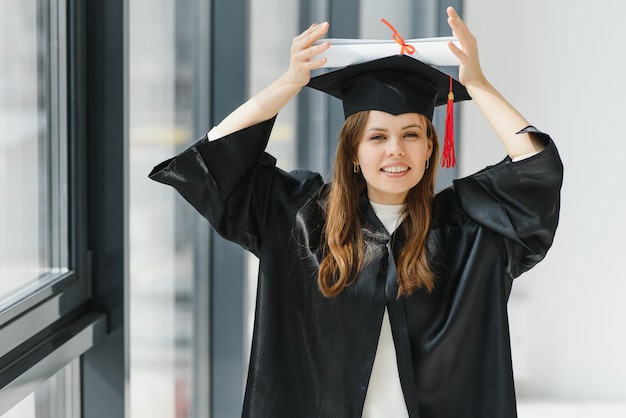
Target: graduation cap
{"x":394,"y":83}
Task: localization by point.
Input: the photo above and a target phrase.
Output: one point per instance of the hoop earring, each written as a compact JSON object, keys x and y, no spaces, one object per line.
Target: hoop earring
{"x":427,"y":164}
{"x":356,"y":167}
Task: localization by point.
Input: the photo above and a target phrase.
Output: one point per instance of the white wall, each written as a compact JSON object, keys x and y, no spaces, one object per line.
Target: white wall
{"x":561,"y":64}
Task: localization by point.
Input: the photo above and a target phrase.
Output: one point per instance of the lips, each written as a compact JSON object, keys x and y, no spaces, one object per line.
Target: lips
{"x":394,"y":169}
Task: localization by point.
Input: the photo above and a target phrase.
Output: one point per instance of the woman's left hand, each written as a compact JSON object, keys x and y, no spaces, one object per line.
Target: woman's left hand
{"x":469,"y":67}
{"x":504,"y":118}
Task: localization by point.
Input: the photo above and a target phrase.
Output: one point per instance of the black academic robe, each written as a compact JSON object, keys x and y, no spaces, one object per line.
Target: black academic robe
{"x":312,"y":356}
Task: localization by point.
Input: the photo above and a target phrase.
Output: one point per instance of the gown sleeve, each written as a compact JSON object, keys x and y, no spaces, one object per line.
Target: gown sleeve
{"x":519,"y":201}
{"x":233,"y":183}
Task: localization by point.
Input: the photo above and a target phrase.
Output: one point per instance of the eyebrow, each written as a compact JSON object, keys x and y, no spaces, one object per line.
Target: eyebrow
{"x":413,"y":125}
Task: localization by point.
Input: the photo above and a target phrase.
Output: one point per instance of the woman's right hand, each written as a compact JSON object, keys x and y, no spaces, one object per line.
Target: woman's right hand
{"x":303,"y":48}
{"x":270,"y":100}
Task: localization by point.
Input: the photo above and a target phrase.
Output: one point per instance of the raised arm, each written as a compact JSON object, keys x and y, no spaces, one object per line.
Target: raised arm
{"x":504,"y":118}
{"x":271,"y":100}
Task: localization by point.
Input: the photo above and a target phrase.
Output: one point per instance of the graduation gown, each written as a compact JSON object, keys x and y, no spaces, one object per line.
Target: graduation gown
{"x":312,"y":356}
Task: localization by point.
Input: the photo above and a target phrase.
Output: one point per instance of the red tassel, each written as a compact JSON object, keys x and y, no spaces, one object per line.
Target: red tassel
{"x":448,"y":159}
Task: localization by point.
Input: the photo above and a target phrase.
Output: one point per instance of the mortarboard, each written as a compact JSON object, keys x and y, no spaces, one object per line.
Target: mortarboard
{"x":394,"y":83}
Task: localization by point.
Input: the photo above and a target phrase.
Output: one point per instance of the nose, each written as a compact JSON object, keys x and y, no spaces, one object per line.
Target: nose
{"x":395,"y":147}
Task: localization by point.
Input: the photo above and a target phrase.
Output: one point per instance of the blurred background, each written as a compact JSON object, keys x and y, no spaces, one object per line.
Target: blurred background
{"x":191,"y":295}
{"x":552,"y":60}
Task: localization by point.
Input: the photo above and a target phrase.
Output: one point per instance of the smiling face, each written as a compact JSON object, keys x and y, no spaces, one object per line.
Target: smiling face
{"x":392,"y":154}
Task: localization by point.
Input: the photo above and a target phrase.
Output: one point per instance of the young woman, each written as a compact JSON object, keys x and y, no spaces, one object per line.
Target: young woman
{"x":377,"y":298}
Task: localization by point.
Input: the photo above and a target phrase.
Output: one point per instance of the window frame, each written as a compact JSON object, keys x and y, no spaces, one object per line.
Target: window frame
{"x":50,"y":323}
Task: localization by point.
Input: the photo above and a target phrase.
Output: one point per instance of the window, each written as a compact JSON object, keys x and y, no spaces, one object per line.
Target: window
{"x":44,"y":322}
{"x":33,"y":204}
{"x":57,"y":397}
{"x":165,"y":326}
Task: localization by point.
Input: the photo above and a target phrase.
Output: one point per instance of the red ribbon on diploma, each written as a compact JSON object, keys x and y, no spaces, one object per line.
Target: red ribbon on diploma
{"x":405,"y":48}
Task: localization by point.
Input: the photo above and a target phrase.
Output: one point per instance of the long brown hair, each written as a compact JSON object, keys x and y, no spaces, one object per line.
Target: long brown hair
{"x":343,"y":239}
